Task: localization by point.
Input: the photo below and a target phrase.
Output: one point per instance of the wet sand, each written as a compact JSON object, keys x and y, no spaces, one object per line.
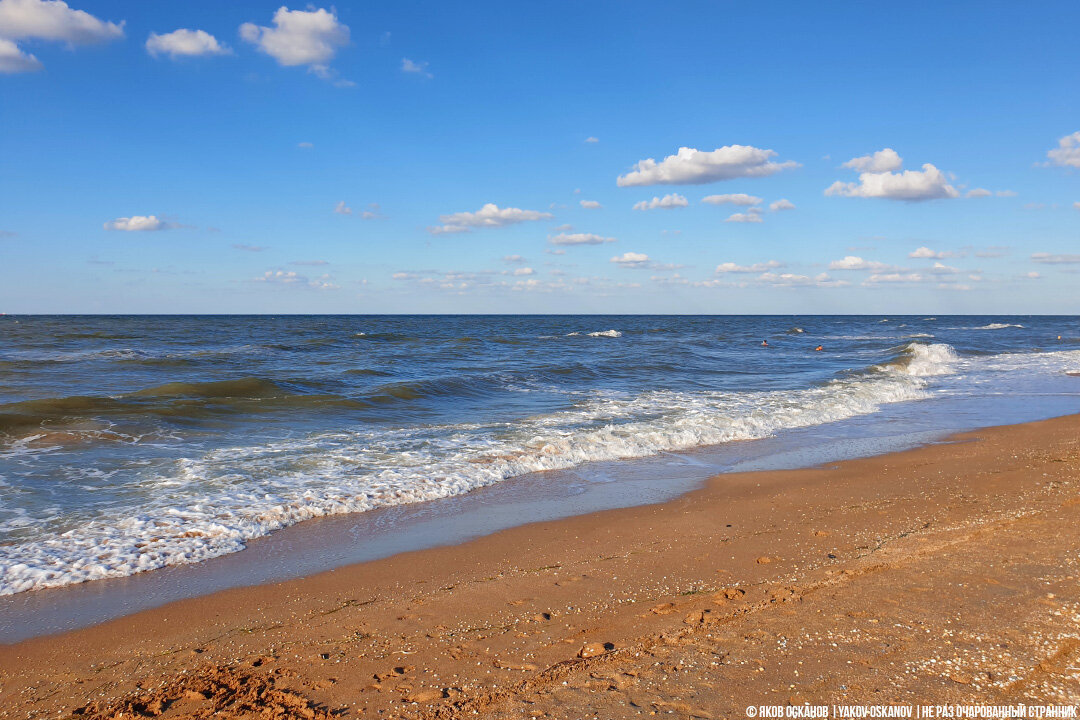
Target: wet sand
{"x":942,"y":574}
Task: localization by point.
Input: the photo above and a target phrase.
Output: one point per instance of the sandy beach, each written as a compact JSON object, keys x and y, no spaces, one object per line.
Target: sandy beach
{"x":941,"y":574}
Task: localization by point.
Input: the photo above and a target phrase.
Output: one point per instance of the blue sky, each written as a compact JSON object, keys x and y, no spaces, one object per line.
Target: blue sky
{"x":434,"y":157}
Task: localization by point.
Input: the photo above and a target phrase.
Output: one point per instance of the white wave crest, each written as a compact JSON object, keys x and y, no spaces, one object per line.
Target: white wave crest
{"x":606,"y":333}
{"x":929,"y":360}
{"x":998,"y":326}
{"x":201,"y":507}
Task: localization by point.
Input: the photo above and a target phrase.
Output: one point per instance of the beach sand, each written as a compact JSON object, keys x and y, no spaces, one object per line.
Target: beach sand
{"x":942,"y":574}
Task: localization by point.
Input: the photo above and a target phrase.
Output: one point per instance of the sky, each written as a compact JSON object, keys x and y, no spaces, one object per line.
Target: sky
{"x":585,"y":157}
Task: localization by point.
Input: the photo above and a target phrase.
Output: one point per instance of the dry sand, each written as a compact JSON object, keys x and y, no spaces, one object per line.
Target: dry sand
{"x":942,"y":574}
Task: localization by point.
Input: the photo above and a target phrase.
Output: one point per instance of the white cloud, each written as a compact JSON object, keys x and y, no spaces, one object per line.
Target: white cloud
{"x":879,"y":162}
{"x":524,"y":271}
{"x":342,"y":209}
{"x":139,"y":223}
{"x":753,"y":215}
{"x":1050,"y":259}
{"x":185,"y":43}
{"x":693,"y":167}
{"x":943,"y":269}
{"x":13,"y":60}
{"x":632,"y":260}
{"x":853,"y":262}
{"x":54,"y":20}
{"x":893,"y":278}
{"x":591,"y":204}
{"x":1006,"y":193}
{"x":926,"y":253}
{"x":373,"y":212}
{"x":674,"y":200}
{"x":416,"y":68}
{"x":300,"y":37}
{"x":1067,"y":153}
{"x":592,"y":139}
{"x":793,"y":280}
{"x":781,"y":204}
{"x":732,"y":199}
{"x":1076,"y":205}
{"x":730,"y":267}
{"x":910,"y":185}
{"x":490,"y":215}
{"x":579,"y":239}
{"x":291,"y":278}
{"x":978,"y":193}
{"x":305,"y":145}
{"x":46,"y":20}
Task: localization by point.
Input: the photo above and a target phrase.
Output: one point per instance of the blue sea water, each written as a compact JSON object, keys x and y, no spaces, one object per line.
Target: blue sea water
{"x":128,"y":443}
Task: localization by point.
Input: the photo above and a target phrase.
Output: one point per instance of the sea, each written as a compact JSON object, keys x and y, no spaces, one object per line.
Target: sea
{"x":134,"y":443}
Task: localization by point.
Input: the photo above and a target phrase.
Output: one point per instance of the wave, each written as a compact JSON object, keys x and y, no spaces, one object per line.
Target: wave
{"x":250,"y":491}
{"x":997,"y":326}
{"x":606,"y":333}
{"x":922,"y":360}
{"x":170,"y":400}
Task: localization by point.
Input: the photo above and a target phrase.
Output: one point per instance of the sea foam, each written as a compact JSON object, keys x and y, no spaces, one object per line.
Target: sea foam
{"x":244,"y":492}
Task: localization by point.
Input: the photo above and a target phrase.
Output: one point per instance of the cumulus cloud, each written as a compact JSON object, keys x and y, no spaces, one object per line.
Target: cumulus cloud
{"x":730,"y":267}
{"x":882,"y":161}
{"x":909,"y":185}
{"x":794,"y":280}
{"x":54,"y":20}
{"x":13,"y":60}
{"x":342,"y":209}
{"x":50,"y":20}
{"x":983,"y":192}
{"x":415,"y":68}
{"x":939,"y":268}
{"x":753,"y":215}
{"x":781,"y":204}
{"x":300,"y":37}
{"x":291,"y":278}
{"x":853,"y":262}
{"x":592,"y":139}
{"x":579,"y":239}
{"x":732,"y":199}
{"x":1052,"y":259}
{"x":524,"y":271}
{"x":1066,"y":154}
{"x":490,"y":215}
{"x":694,"y":167}
{"x":632,"y":260}
{"x":591,"y":204}
{"x":185,"y":43}
{"x":139,"y":223}
{"x":926,"y":253}
{"x":674,"y":200}
{"x":513,"y":259}
{"x":893,"y":278}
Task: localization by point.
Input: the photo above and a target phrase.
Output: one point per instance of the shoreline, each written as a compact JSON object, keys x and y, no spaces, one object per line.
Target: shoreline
{"x":497,"y":624}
